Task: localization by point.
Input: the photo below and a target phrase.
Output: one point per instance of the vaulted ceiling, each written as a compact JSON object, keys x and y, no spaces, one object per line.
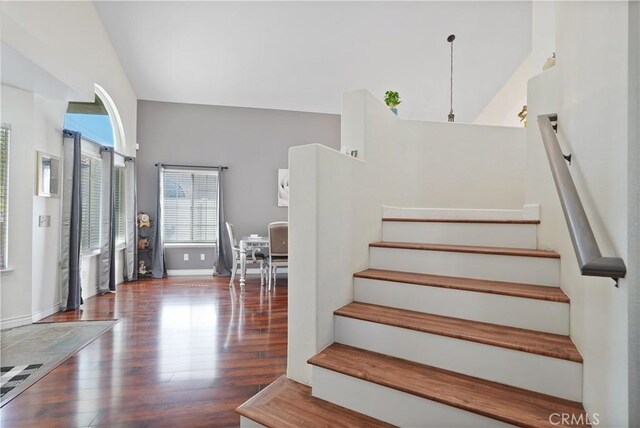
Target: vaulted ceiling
{"x":304,"y":55}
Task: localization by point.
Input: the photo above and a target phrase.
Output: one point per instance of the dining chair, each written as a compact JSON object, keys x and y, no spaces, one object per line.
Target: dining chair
{"x":278,"y":248}
{"x":256,"y":256}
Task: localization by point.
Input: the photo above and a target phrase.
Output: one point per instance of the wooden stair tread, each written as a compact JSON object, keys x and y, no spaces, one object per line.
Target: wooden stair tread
{"x":459,"y":220}
{"x":286,"y":403}
{"x":528,"y":291}
{"x":534,"y":342}
{"x":497,"y":401}
{"x":504,"y":251}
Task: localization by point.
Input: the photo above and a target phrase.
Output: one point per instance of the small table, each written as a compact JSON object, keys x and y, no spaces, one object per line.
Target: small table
{"x":249,"y":243}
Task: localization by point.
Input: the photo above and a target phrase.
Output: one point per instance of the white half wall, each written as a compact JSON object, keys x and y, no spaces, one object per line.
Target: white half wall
{"x":335,"y":210}
{"x":336,"y":201}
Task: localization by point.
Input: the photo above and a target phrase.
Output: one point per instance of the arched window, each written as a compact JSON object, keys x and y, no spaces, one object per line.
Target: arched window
{"x":91,"y":120}
{"x":98,"y":121}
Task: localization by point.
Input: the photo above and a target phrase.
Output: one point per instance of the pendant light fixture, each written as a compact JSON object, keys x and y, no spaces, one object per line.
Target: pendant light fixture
{"x":451,"y":116}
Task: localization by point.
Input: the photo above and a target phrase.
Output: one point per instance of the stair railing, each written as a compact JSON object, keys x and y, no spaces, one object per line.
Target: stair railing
{"x":590,"y":259}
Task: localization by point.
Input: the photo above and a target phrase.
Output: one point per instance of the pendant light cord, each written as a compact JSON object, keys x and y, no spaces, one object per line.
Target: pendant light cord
{"x":451,"y":91}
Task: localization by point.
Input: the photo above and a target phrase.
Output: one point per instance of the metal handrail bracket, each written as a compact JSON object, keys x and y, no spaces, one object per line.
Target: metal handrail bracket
{"x":590,"y":259}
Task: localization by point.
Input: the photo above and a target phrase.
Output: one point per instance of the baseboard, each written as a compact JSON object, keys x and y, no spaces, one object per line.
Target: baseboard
{"x":189,"y":272}
{"x":256,"y":271}
{"x":15,"y":322}
{"x":203,"y":272}
{"x":53,"y":309}
{"x":91,"y":291}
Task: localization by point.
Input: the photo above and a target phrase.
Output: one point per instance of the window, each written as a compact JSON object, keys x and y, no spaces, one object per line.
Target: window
{"x":4,"y":196}
{"x":91,"y":120}
{"x":119,"y":204}
{"x":190,"y":201}
{"x":90,"y":187}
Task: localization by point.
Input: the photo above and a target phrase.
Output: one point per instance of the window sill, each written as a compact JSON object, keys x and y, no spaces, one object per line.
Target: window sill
{"x":120,"y":247}
{"x":90,"y":253}
{"x":6,"y":270}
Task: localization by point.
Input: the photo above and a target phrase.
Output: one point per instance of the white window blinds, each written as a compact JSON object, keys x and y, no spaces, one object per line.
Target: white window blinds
{"x":91,"y":189}
{"x":190,"y":206}
{"x":4,"y":196}
{"x":119,"y":204}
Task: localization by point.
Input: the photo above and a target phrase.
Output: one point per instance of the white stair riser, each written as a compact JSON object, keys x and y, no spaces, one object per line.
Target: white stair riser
{"x":390,"y":405}
{"x":553,"y":376}
{"x":492,"y":235}
{"x":528,"y":212}
{"x":528,"y":270}
{"x":248,"y":423}
{"x":532,"y":314}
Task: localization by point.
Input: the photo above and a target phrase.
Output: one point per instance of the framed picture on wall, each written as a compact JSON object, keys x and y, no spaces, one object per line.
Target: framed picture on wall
{"x":283,"y":187}
{"x":48,"y":180}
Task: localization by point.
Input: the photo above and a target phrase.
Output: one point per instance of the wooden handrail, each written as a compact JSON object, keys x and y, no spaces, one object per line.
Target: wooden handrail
{"x":590,"y":259}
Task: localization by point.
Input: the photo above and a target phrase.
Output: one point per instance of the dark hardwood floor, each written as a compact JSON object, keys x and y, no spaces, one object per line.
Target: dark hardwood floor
{"x":186,"y":352}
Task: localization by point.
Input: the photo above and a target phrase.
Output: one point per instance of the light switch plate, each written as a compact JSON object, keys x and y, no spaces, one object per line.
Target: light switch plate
{"x":186,"y":257}
{"x":44,"y":221}
{"x":202,"y":256}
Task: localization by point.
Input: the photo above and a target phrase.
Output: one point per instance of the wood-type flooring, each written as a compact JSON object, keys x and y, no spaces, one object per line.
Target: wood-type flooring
{"x":186,"y":352}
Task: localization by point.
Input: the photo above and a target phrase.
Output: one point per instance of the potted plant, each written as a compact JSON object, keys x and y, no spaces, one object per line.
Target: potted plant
{"x":392,"y":99}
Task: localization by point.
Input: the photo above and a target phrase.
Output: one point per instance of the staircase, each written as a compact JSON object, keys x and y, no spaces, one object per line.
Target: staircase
{"x":458,"y":322}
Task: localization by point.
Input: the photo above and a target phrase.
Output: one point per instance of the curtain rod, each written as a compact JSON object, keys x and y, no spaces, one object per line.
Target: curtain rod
{"x":193,"y":166}
{"x":68,"y":133}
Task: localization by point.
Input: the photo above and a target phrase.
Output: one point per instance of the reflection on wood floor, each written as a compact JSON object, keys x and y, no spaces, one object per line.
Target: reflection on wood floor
{"x":186,"y":352}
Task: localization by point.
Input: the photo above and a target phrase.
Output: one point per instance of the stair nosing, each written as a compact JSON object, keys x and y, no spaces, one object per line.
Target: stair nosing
{"x":459,"y":220}
{"x":317,"y":360}
{"x":283,"y":382}
{"x":472,"y":249}
{"x":575,"y":357}
{"x":555,"y":294}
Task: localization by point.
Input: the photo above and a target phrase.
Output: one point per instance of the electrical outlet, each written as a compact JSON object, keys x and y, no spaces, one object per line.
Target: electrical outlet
{"x":44,"y":221}
{"x":186,"y":257}
{"x":201,"y":256}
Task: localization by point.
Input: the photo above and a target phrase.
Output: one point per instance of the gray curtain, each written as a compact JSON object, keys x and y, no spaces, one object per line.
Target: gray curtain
{"x":71,"y":287}
{"x":131,"y":223}
{"x":158,"y":268}
{"x":107,"y":267}
{"x":222,"y":255}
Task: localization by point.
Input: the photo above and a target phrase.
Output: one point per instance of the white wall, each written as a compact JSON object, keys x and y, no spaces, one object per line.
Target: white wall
{"x":504,"y":107}
{"x":17,"y":110}
{"x":336,"y":201}
{"x":633,"y":221}
{"x":543,"y":37}
{"x":45,"y":241}
{"x":54,"y":52}
{"x":589,"y":88}
{"x":73,"y":32}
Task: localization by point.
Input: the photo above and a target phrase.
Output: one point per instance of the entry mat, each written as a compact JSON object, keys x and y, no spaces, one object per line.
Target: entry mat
{"x":13,"y":376}
{"x":30,"y":352}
